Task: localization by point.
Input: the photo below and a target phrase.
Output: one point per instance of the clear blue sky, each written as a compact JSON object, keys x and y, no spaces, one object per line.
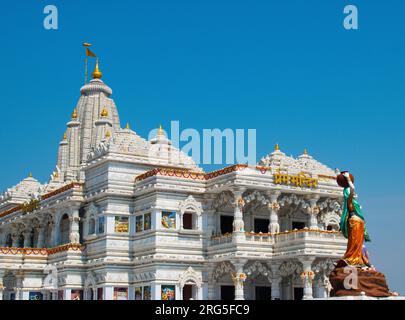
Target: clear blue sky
{"x":287,"y":68}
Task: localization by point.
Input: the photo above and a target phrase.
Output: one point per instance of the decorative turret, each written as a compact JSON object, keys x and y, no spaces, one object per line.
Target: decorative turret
{"x":161,"y":137}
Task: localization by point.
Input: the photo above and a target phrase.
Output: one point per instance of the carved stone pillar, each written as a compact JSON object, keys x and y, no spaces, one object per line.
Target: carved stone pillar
{"x":239,"y":278}
{"x":27,"y":239}
{"x":275,"y":281}
{"x":41,"y":237}
{"x":18,"y":289}
{"x":313,"y":211}
{"x":15,"y":238}
{"x":211,"y":282}
{"x":238,"y":224}
{"x":74,"y":226}
{"x":274,"y":207}
{"x":307,"y":277}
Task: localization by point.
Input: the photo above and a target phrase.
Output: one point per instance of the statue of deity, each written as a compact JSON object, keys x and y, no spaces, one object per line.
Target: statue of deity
{"x":355,"y":262}
{"x":352,"y":224}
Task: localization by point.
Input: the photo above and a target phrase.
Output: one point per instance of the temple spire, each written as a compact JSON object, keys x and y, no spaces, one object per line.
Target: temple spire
{"x":160,"y":131}
{"x":97,"y":74}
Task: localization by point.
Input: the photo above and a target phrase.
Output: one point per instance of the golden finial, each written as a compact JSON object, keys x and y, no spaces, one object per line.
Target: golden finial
{"x":97,"y":74}
{"x":160,"y":131}
{"x":127,"y":126}
{"x":305,"y":151}
{"x":104,"y":112}
{"x":74,"y":114}
{"x":277,"y":147}
{"x":108,"y":134}
{"x":65,"y":136}
{"x":30,"y":175}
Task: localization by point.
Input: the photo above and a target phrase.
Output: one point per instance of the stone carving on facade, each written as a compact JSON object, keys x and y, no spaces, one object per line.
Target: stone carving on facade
{"x":256,"y":199}
{"x":190,"y":275}
{"x":322,"y":269}
{"x":330,"y":219}
{"x":223,"y":199}
{"x":190,"y":204}
{"x":91,"y":281}
{"x":293,"y":199}
{"x":62,"y":280}
{"x":331,"y":205}
{"x":101,"y":277}
{"x":224,"y":268}
{"x":51,"y":280}
{"x":258,"y":268}
{"x":291,"y":268}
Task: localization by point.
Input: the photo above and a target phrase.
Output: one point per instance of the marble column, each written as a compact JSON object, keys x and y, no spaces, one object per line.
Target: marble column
{"x":313,"y":211}
{"x":74,"y":226}
{"x":276,"y":280}
{"x":14,"y":237}
{"x":239,"y":278}
{"x":18,"y":289}
{"x":274,"y":207}
{"x":307,"y":276}
{"x":27,"y":239}
{"x":41,"y":237}
{"x":275,"y":288}
{"x":238,"y":224}
{"x":211,"y":294}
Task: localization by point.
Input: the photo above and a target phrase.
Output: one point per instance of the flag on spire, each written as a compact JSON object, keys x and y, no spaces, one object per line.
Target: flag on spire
{"x":89,"y":53}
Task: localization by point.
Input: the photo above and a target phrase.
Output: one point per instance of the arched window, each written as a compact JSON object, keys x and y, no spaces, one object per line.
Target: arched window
{"x":333,"y":227}
{"x":9,"y":241}
{"x":92,"y":226}
{"x":189,"y":221}
{"x":34,"y":237}
{"x":21,"y":241}
{"x":64,"y":230}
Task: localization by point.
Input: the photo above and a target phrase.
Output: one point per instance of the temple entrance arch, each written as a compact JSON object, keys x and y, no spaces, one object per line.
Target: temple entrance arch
{"x":291,"y":284}
{"x":258,"y":282}
{"x":222,"y":278}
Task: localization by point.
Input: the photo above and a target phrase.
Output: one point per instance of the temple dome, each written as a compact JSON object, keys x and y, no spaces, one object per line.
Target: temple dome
{"x":305,"y":163}
{"x":23,"y":191}
{"x":95,"y":86}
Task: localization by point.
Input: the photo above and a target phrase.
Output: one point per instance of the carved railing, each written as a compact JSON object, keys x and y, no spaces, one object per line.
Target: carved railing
{"x":307,"y":233}
{"x":260,"y":237}
{"x":287,"y":236}
{"x":41,"y":251}
{"x":223,"y":239}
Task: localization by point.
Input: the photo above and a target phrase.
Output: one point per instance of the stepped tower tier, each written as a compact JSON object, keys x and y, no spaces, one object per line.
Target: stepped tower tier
{"x":94,"y":118}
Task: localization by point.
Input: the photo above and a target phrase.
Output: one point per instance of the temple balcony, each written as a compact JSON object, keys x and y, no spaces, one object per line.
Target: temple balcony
{"x":302,"y":242}
{"x":38,"y":258}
